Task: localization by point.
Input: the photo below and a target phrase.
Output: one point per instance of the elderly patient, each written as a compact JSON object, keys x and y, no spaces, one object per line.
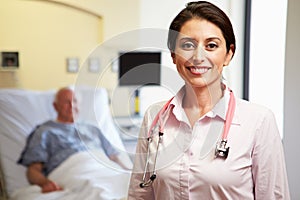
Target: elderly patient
{"x":54,"y":141}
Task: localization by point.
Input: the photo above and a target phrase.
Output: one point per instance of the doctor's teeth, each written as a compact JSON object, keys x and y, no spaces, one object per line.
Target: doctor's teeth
{"x":200,"y":70}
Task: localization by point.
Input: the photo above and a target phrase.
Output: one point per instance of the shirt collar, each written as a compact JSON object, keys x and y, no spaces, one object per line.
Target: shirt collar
{"x":219,"y":109}
{"x":177,"y":104}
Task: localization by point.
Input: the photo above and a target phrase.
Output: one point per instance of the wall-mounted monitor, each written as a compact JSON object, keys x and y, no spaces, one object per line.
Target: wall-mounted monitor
{"x":139,"y":68}
{"x":9,"y":59}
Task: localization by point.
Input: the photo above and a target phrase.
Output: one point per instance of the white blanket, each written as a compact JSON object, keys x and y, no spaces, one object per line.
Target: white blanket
{"x":83,"y":176}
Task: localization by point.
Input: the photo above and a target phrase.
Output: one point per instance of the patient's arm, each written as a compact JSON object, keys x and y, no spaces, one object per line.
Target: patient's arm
{"x":36,"y":177}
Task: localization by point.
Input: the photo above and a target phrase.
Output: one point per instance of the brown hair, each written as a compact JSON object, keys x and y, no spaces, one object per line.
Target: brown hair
{"x":202,"y":10}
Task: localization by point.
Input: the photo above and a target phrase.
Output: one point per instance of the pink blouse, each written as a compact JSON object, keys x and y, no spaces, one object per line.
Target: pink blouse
{"x":187,"y":169}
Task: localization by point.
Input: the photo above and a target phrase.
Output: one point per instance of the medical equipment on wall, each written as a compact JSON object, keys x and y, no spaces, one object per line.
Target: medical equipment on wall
{"x":221,"y":150}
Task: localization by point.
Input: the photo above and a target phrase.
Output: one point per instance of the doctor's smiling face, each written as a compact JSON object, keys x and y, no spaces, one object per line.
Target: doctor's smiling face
{"x":202,"y":42}
{"x":200,"y":53}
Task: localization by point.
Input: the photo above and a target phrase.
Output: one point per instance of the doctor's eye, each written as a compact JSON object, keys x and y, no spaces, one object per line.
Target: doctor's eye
{"x":211,"y":46}
{"x":188,"y":46}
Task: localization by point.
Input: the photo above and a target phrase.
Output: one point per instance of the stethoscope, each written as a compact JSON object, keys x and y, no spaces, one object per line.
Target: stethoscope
{"x":221,"y":150}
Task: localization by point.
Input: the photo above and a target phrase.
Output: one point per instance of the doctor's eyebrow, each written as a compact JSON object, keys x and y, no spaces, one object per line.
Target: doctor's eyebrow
{"x":213,"y":39}
{"x":196,"y":41}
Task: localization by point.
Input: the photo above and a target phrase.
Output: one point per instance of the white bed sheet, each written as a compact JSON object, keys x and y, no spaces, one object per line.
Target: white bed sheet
{"x":82,"y":177}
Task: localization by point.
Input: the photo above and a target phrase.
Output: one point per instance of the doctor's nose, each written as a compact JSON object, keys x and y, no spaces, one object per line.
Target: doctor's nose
{"x":199,"y":54}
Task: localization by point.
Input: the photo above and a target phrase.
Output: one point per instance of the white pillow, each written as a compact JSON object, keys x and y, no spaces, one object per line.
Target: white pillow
{"x":94,"y":108}
{"x":20,"y":112}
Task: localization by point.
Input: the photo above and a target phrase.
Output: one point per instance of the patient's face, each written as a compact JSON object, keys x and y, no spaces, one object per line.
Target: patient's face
{"x":66,"y":106}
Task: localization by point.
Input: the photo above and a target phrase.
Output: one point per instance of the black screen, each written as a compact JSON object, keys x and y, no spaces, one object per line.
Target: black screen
{"x":139,"y":68}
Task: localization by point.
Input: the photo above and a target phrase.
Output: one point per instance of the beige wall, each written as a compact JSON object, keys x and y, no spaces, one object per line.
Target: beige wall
{"x":46,"y":33}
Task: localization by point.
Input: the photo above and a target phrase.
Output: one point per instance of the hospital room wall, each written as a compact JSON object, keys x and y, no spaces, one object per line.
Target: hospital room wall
{"x":46,"y":33}
{"x":292,"y":98}
{"x":171,"y":82}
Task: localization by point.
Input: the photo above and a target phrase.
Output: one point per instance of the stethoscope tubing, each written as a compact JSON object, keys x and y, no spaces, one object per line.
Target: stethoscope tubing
{"x":157,"y":118}
{"x":221,"y":150}
{"x":229,"y":116}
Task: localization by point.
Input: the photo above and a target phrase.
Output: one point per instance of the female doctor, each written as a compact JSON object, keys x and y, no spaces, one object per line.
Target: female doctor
{"x":205,"y":143}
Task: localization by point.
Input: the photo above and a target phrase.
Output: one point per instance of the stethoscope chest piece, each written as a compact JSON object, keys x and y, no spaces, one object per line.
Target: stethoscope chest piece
{"x":221,"y":150}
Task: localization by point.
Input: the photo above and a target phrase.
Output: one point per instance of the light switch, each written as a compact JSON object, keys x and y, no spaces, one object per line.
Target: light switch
{"x":94,"y":65}
{"x":72,"y":65}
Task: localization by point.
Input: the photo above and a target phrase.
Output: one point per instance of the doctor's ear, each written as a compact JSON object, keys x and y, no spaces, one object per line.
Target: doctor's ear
{"x":229,"y":55}
{"x":173,"y":57}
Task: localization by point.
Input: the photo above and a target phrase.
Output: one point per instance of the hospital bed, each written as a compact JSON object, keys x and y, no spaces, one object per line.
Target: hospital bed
{"x":22,"y":110}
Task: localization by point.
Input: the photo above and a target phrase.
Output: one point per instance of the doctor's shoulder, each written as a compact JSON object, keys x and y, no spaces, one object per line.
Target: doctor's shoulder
{"x":254,"y":114}
{"x":153,"y":110}
{"x":254,"y":109}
